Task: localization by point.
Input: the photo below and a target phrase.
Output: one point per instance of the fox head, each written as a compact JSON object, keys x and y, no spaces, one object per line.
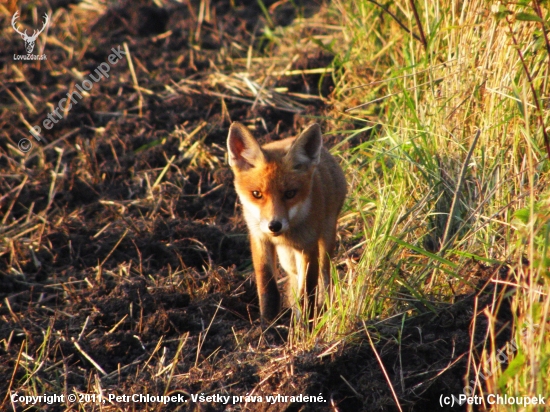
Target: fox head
{"x":274,"y":181}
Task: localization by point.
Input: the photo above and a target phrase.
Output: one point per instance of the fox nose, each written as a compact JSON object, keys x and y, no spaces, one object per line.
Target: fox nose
{"x":275,"y":226}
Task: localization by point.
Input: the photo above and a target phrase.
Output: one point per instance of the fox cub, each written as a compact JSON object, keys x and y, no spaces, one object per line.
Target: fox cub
{"x":291,"y":191}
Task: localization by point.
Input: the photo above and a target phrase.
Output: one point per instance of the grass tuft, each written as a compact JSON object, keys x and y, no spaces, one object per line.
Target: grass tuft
{"x":454,"y":170}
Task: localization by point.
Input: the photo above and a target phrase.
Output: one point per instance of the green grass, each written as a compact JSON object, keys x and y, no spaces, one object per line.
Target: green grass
{"x":454,"y":171}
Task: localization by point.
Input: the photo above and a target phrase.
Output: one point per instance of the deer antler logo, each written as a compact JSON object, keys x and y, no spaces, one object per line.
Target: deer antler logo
{"x":29,"y":40}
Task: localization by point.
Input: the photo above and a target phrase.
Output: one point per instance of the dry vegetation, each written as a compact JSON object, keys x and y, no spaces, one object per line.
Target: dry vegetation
{"x":124,"y":262}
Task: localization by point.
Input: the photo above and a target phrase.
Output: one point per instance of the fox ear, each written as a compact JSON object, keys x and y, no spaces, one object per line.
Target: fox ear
{"x":306,"y":149}
{"x":244,"y":151}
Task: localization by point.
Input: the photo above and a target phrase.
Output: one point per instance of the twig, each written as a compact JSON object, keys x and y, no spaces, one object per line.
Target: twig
{"x":164,"y":170}
{"x":26,"y":100}
{"x":18,"y":189}
{"x":402,"y":77}
{"x":393,"y":16}
{"x":83,"y":328}
{"x":201,"y":342}
{"x":538,"y":10}
{"x":351,"y":387}
{"x":13,"y":374}
{"x":388,"y":95}
{"x":117,"y":371}
{"x":419,"y":23}
{"x":531,"y":86}
{"x":536,"y":6}
{"x":117,"y":325}
{"x":134,"y":78}
{"x":457,"y":191}
{"x":175,"y":361}
{"x":114,"y":248}
{"x":383,"y":368}
{"x":52,"y":144}
{"x":93,"y":362}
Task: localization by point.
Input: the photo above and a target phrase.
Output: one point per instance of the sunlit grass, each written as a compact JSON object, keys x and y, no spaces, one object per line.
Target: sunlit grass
{"x":457,"y":149}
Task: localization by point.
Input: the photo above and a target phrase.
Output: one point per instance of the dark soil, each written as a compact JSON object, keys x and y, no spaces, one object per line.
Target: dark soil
{"x":111,"y":280}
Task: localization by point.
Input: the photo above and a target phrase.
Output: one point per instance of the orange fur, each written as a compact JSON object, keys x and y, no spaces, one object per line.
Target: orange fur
{"x":292,"y":191}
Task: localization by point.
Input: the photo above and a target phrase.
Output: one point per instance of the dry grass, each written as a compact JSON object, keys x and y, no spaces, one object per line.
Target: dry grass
{"x":118,"y":233}
{"x":458,"y":152}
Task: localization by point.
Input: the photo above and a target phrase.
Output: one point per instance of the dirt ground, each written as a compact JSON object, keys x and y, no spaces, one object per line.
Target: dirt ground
{"x":124,"y":261}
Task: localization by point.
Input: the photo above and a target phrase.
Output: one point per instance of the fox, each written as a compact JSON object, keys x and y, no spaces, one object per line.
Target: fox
{"x":291,"y":192}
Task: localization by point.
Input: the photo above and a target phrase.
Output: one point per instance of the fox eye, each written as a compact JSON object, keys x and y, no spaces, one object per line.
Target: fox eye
{"x":257,"y":194}
{"x":289,"y":194}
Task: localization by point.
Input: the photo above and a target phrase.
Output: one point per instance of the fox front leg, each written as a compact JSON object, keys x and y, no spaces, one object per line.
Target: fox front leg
{"x":264,"y":260}
{"x":312,"y":283}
